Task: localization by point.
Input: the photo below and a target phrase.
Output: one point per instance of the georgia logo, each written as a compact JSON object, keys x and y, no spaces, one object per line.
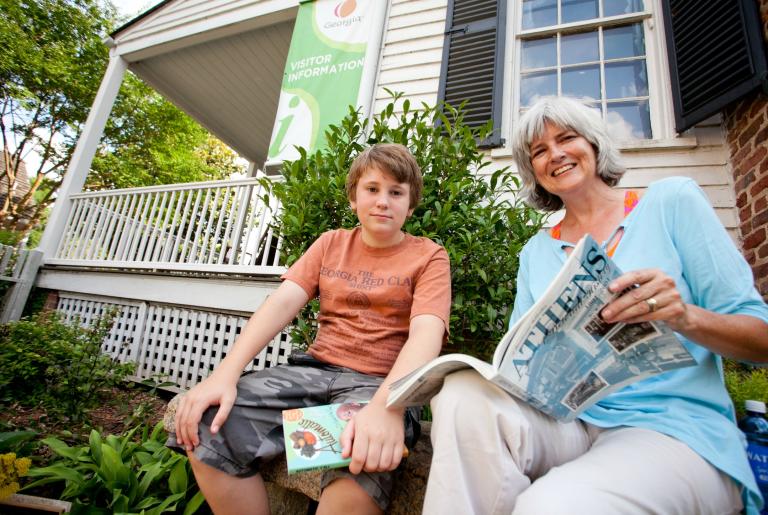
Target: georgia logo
{"x":358,"y":300}
{"x":345,"y":8}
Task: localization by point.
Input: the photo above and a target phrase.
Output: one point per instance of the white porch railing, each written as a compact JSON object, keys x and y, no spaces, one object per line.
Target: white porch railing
{"x":18,"y":268}
{"x":217,"y":226}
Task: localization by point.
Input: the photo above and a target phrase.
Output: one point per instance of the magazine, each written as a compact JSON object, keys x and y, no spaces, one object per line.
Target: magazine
{"x":312,"y":436}
{"x":560,"y":356}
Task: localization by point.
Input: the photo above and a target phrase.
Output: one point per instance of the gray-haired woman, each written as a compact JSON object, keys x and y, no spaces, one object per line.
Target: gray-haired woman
{"x":667,"y":444}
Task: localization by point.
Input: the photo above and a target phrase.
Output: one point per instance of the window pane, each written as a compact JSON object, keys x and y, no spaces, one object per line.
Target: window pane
{"x":539,"y":53}
{"x":579,"y":48}
{"x":624,"y":41}
{"x":534,"y":85}
{"x":577,"y":10}
{"x":627,"y":79}
{"x":628,"y":120}
{"x":615,"y":7}
{"x":539,"y":13}
{"x":582,"y":81}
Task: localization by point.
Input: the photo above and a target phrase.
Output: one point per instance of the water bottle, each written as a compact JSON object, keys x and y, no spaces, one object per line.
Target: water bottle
{"x":755,"y":427}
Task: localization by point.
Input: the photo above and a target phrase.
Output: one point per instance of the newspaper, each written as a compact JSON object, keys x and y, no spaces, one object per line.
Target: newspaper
{"x":560,"y":356}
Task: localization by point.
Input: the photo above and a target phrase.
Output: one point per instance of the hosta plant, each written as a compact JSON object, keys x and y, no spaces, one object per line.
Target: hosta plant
{"x":118,"y":474}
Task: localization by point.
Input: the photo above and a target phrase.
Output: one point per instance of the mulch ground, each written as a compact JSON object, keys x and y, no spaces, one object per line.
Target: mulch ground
{"x":119,"y":409}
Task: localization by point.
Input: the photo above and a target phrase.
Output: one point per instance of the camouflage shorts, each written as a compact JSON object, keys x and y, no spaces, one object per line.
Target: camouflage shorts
{"x":253,"y":431}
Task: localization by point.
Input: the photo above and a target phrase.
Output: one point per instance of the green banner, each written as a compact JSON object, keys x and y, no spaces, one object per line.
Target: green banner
{"x":323,"y":71}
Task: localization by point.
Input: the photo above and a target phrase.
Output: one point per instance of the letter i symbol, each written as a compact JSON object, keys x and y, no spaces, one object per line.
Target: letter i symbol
{"x":277,"y":145}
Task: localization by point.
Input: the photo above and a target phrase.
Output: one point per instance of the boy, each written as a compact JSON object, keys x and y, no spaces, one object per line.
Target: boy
{"x":384,"y":306}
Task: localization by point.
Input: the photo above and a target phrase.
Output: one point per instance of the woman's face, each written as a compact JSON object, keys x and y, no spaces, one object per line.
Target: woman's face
{"x":563,"y":160}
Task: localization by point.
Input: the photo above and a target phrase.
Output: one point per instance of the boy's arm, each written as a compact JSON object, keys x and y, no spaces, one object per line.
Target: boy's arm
{"x":219,"y":388}
{"x":374,"y":438}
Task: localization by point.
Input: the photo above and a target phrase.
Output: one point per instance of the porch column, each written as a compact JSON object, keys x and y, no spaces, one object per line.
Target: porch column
{"x":80,"y":163}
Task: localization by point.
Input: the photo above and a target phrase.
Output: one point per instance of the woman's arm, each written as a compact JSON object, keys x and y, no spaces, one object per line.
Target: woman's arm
{"x":721,"y":309}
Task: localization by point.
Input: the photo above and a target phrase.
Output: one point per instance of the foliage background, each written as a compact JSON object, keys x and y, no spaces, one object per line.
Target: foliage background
{"x":56,"y":365}
{"x":52,"y":60}
{"x":468,"y":208}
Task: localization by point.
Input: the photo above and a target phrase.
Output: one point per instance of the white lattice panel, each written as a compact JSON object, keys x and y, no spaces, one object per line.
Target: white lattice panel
{"x":169,"y":343}
{"x":121,"y":342}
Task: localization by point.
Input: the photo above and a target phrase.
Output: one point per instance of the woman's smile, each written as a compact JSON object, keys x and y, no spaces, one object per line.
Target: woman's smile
{"x":562,"y":160}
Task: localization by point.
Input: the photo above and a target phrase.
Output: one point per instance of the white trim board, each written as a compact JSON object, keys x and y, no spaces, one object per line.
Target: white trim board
{"x":237,"y":295}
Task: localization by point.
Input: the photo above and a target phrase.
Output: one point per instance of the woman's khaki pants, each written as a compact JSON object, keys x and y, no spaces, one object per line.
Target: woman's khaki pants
{"x":494,"y":455}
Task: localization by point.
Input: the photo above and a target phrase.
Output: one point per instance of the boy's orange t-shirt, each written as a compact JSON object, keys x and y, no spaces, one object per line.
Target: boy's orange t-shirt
{"x":369,"y":295}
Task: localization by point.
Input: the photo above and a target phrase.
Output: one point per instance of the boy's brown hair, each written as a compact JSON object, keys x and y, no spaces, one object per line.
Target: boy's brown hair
{"x":392,"y":158}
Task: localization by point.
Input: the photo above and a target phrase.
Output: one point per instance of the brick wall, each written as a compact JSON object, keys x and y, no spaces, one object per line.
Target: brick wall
{"x":746,"y":126}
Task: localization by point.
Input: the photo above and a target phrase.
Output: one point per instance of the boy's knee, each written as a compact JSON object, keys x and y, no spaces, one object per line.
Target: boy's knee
{"x":345,"y":495}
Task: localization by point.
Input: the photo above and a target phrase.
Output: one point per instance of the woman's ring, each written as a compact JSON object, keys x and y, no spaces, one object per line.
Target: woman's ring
{"x":652,"y":304}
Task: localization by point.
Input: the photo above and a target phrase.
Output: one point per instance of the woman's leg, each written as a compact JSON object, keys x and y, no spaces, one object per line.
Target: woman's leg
{"x":488,"y":447}
{"x":632,"y":470}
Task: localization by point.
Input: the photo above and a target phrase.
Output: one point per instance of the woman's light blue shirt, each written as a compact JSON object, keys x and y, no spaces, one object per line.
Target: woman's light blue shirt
{"x":675,"y":229}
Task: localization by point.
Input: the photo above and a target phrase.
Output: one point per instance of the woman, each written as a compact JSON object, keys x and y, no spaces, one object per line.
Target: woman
{"x":667,"y":444}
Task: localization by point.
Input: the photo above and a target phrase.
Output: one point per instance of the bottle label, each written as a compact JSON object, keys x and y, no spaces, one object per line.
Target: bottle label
{"x":758,"y":459}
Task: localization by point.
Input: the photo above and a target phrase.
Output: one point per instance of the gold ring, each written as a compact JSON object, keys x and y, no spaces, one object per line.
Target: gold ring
{"x":652,"y":304}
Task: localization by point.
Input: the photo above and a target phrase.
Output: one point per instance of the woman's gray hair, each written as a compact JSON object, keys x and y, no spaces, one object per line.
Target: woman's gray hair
{"x":567,"y":113}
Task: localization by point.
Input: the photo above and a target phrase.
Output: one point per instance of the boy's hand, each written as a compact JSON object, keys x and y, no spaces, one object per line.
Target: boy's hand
{"x":374,"y":439}
{"x":215,"y":390}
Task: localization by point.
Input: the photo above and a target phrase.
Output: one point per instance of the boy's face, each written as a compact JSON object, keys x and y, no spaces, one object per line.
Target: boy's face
{"x":382,"y":206}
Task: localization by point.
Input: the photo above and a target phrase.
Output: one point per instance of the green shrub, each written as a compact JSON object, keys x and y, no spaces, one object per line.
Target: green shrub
{"x":44,"y":360}
{"x":8,"y":237}
{"x":745,"y":382}
{"x":119,"y":475}
{"x":466,"y":208}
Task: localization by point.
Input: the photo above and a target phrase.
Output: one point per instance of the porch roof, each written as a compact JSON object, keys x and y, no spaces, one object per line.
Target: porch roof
{"x":219,"y":61}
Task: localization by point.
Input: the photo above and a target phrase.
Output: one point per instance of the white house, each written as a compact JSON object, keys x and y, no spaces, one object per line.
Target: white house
{"x":188,"y":263}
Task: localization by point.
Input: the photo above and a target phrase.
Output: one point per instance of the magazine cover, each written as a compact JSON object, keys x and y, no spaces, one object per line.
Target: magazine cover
{"x":312,"y":436}
{"x":561,"y":357}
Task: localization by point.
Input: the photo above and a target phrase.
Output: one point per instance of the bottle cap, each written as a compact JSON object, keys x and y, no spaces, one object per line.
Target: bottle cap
{"x":756,"y":406}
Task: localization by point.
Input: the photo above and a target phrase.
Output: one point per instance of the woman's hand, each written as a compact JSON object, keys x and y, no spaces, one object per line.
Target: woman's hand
{"x":374,"y":439}
{"x":216,"y":390}
{"x":650,"y":295}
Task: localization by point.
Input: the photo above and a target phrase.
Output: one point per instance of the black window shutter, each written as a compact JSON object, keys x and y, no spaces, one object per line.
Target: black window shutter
{"x":716,"y":55}
{"x":473,"y":62}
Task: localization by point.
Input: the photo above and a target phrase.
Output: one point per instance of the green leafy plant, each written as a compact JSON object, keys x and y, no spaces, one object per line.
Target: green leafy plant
{"x":118,"y":474}
{"x":468,"y":208}
{"x":44,"y":360}
{"x":745,"y":382}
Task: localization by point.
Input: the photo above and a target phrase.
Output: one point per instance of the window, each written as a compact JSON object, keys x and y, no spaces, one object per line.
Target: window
{"x":591,"y":49}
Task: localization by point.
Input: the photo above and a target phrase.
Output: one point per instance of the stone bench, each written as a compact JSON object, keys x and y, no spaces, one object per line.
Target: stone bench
{"x":291,"y":495}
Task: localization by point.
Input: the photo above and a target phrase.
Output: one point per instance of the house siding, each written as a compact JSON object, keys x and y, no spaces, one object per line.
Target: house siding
{"x":183,"y":12}
{"x":185,"y":23}
{"x":412,"y":51}
{"x":746,"y":126}
{"x":411,"y":58}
